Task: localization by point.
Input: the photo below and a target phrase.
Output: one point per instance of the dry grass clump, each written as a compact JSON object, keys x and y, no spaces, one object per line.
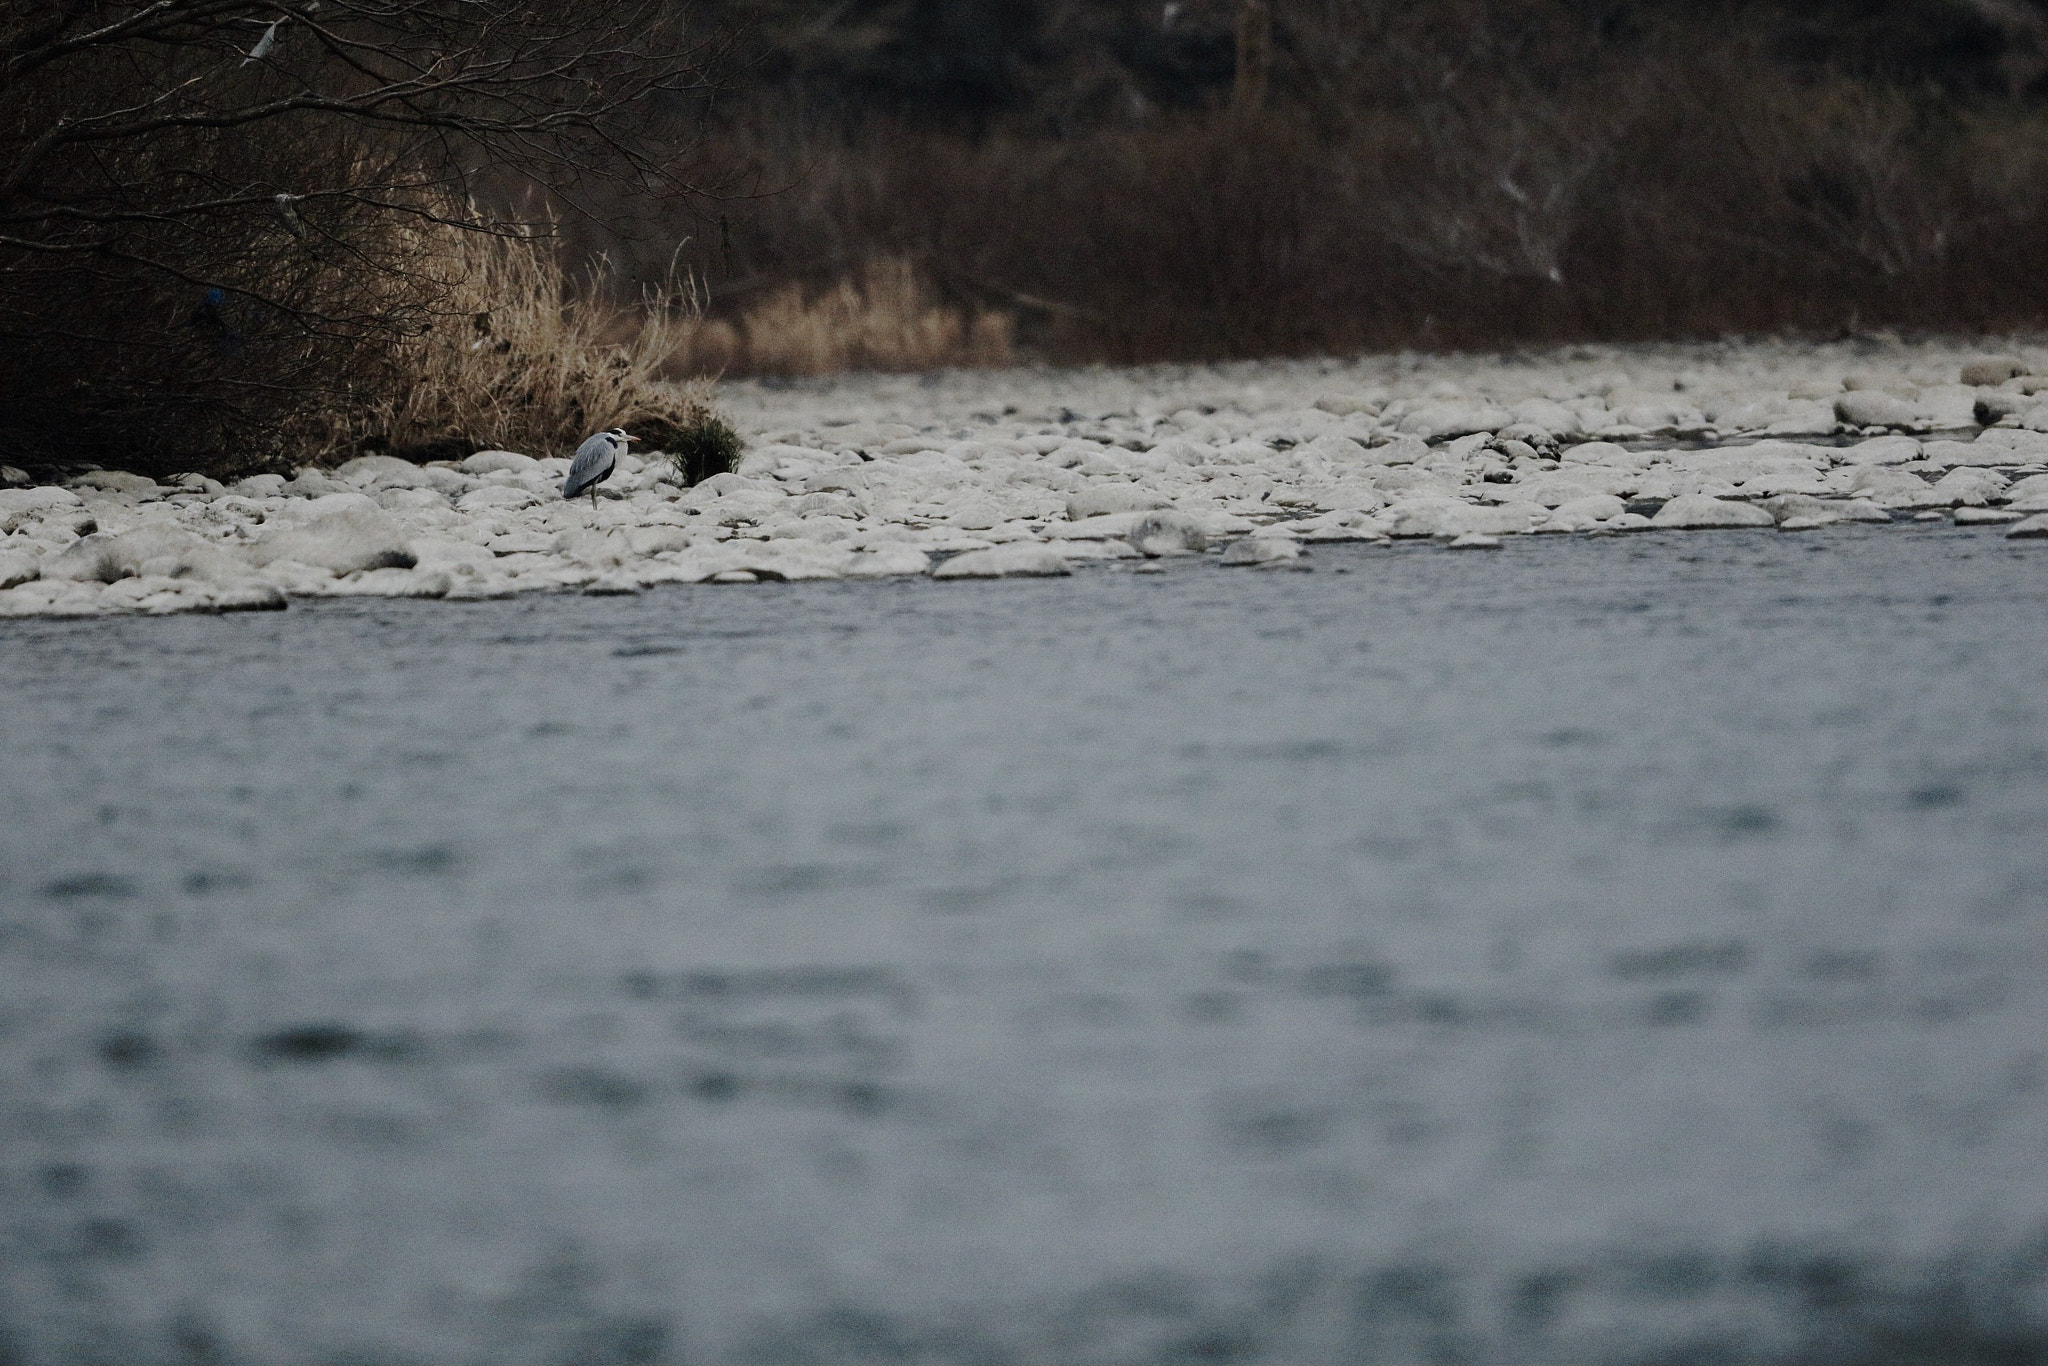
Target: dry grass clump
{"x":519,"y":358}
{"x":886,"y":317}
{"x":699,"y":447}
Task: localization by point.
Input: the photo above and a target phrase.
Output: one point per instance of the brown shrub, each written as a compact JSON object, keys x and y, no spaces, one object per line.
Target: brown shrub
{"x":1465,"y":173}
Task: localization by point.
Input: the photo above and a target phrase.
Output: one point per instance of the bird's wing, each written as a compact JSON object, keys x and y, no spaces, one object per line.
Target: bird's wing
{"x":593,"y":462}
{"x":263,"y":45}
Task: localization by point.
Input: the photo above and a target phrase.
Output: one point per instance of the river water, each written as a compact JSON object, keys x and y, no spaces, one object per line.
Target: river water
{"x":1625,"y":949}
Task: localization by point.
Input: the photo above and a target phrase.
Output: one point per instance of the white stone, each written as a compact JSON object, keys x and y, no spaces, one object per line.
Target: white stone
{"x":1101,"y":499}
{"x":888,"y":561}
{"x":2029,"y":494}
{"x":1992,"y":369}
{"x":1098,"y":550}
{"x":1111,"y":524}
{"x":1803,"y":512}
{"x":311,"y":483}
{"x":1168,"y":533}
{"x":1966,"y":487}
{"x":1696,"y":512}
{"x":365,"y":470}
{"x":758,"y":463}
{"x":789,"y":561}
{"x":2023,"y":447}
{"x":1402,"y":450}
{"x":1562,"y":486}
{"x":1184,"y":452}
{"x":1335,"y":447}
{"x":408,"y":499}
{"x":1890,"y":487}
{"x":1946,"y":407}
{"x":18,"y":507}
{"x":345,"y":541}
{"x":491,"y":462}
{"x":129,"y":594}
{"x":296,"y":578}
{"x":1256,"y":550}
{"x":522,"y":543}
{"x":653,"y":540}
{"x":106,"y":557}
{"x":1874,"y":408}
{"x":1553,"y":417}
{"x":1993,"y":446}
{"x":1881,"y":450}
{"x":1452,"y":517}
{"x":122,"y":482}
{"x":1454,"y":417}
{"x":1004,"y":561}
{"x":246,"y":595}
{"x":1607,"y":454}
{"x":1344,"y":405}
{"x":1584,"y":514}
{"x":1976,"y":516}
{"x":497,"y":496}
{"x":395,"y":583}
{"x":1474,"y":540}
{"x":17,"y":568}
{"x":2033,"y":528}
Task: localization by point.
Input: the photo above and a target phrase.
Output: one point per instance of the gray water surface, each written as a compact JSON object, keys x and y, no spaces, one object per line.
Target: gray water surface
{"x":1602,"y":950}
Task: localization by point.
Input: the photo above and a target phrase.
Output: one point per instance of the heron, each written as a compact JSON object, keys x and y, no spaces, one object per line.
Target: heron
{"x":595,"y":460}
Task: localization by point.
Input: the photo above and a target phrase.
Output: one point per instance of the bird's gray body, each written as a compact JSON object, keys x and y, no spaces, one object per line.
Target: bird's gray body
{"x":595,"y":460}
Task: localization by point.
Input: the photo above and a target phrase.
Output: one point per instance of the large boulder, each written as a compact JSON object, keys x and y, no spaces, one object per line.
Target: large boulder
{"x":1451,"y":517}
{"x":1874,"y":408}
{"x":1889,"y":487}
{"x":310,"y":483}
{"x":1168,"y":533}
{"x":137,"y":486}
{"x":1697,"y":512}
{"x":887,"y":561}
{"x":365,"y":470}
{"x":490,"y":462}
{"x":1992,"y":369}
{"x":20,"y":506}
{"x":156,"y":551}
{"x":2033,"y":528}
{"x":1109,"y":526}
{"x":1101,"y":499}
{"x":1964,"y":486}
{"x":1019,"y":558}
{"x":1262,"y":550}
{"x":1442,"y":419}
{"x":344,"y":541}
{"x":1880,"y":450}
{"x":1584,"y":514}
{"x":17,"y":569}
{"x":2029,"y":494}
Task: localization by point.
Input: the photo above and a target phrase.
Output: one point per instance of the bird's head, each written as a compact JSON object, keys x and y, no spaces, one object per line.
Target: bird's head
{"x":621,"y":435}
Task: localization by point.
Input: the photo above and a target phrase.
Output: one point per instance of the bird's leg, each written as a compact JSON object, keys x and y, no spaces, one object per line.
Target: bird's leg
{"x":593,"y":502}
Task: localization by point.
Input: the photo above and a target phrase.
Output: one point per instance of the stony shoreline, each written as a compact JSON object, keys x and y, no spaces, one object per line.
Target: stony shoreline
{"x":986,"y":474}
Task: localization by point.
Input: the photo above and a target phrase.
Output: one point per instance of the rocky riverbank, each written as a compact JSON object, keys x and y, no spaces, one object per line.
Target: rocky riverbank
{"x":967,"y":475}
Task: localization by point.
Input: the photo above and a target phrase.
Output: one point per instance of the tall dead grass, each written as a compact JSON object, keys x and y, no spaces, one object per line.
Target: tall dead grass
{"x":885,"y":317}
{"x":521,"y":355}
